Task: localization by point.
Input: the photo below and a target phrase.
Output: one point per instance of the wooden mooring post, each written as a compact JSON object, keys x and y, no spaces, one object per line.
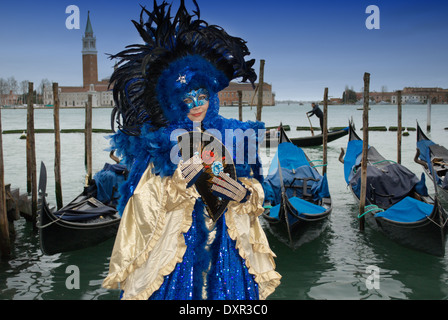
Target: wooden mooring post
{"x":428,"y":121}
{"x":240,"y":105}
{"x":88,"y":139}
{"x":28,"y":146}
{"x":365,"y":129}
{"x":31,"y":155}
{"x":57,"y":147}
{"x":325,"y":132}
{"x":399,"y":128}
{"x":5,"y":243}
{"x":260,"y":90}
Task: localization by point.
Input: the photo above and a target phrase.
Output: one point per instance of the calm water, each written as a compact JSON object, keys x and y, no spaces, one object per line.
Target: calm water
{"x":331,"y":267}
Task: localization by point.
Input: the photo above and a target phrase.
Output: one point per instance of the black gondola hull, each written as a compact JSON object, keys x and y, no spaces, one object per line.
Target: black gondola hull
{"x":304,"y":228}
{"x":310,"y":141}
{"x":294,"y":228}
{"x":57,"y":235}
{"x":427,"y":235}
{"x":443,"y":193}
{"x":317,"y":140}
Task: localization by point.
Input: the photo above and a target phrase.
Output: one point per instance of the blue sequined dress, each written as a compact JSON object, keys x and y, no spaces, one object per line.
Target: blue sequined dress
{"x":215,"y":272}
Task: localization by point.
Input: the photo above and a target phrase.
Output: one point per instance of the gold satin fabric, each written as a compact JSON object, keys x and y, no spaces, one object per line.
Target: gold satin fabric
{"x":150,"y":239}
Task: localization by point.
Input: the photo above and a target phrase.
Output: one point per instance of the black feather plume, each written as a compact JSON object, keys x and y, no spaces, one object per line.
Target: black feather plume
{"x":167,"y":39}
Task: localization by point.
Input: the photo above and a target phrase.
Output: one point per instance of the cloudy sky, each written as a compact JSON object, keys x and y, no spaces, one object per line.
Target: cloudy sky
{"x":307,"y":45}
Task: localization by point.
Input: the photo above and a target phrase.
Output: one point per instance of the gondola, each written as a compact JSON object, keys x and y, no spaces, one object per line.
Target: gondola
{"x":432,"y":156}
{"x":397,"y":201}
{"x":308,"y":141}
{"x":83,"y":223}
{"x":297,"y":199}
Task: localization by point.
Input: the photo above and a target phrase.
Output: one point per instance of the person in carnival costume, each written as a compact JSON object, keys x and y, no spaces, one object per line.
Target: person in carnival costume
{"x":168,"y":246}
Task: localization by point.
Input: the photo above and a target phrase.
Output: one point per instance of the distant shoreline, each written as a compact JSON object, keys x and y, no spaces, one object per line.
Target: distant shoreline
{"x":222,"y":106}
{"x":103,"y":107}
{"x":50,"y":108}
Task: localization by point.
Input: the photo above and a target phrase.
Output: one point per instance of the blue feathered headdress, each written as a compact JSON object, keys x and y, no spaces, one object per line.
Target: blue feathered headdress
{"x":179,"y":54}
{"x":183,"y":75}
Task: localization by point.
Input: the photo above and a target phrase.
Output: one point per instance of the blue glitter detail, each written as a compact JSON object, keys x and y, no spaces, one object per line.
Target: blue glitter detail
{"x":186,"y":280}
{"x":228,"y":277}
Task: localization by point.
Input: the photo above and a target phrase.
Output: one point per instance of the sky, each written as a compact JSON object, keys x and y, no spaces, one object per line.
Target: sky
{"x":307,"y":45}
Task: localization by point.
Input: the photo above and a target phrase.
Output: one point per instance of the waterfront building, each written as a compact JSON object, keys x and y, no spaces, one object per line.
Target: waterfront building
{"x":409,"y":95}
{"x":229,"y":96}
{"x":420,"y":95}
{"x":9,"y":99}
{"x":78,"y":96}
{"x":102,"y":95}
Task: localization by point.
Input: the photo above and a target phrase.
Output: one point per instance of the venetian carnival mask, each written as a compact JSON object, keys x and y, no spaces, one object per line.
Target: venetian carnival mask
{"x":196,"y":98}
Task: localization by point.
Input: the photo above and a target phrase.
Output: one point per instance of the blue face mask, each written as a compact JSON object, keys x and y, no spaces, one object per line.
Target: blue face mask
{"x":196,"y":98}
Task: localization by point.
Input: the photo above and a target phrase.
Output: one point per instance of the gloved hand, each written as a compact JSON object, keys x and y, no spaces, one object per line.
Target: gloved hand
{"x":191,"y":169}
{"x":229,"y":188}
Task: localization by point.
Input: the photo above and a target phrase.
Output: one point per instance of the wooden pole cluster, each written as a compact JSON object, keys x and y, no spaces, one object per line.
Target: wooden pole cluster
{"x":5,"y":243}
{"x":365,"y":128}
{"x":325,"y":132}
{"x":31,"y":155}
{"x":88,"y":139}
{"x":400,"y":128}
{"x":57,"y":147}
{"x":31,"y":162}
{"x":260,"y":90}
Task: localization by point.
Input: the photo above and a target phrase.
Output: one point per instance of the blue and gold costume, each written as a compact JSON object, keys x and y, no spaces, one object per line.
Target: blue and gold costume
{"x":167,"y":246}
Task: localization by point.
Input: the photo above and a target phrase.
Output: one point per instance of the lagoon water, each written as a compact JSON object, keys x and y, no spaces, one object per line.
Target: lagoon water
{"x":334,"y":266}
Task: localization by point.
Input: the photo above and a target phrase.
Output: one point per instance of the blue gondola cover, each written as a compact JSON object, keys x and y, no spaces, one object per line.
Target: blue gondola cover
{"x":352,"y":158}
{"x":302,"y":206}
{"x":407,"y":210}
{"x":295,"y":166}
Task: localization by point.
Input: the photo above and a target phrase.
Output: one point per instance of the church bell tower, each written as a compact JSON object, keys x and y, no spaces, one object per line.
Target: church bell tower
{"x":89,"y":56}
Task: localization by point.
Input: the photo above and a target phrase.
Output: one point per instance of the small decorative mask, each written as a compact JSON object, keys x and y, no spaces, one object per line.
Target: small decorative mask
{"x":196,"y":98}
